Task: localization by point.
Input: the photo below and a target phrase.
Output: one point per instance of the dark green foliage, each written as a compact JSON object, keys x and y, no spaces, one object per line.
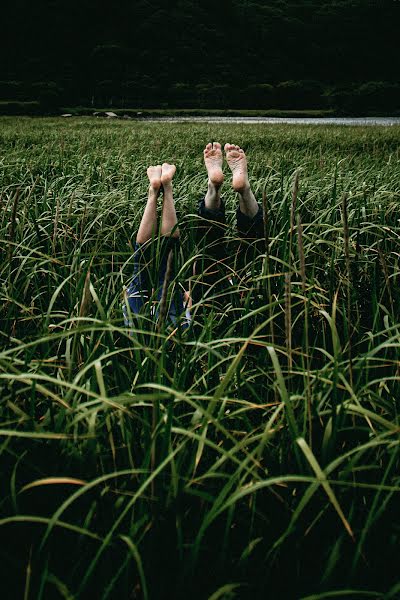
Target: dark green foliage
{"x":143,"y":54}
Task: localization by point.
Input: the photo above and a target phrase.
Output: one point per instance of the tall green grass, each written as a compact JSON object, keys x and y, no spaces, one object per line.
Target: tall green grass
{"x":254,"y":454}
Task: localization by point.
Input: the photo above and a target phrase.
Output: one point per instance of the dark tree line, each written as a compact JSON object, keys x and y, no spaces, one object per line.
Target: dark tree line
{"x":217,"y":54}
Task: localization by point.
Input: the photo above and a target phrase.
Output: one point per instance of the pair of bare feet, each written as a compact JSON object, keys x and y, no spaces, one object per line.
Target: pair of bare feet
{"x":237,"y":162}
{"x":236,"y":159}
{"x":160,"y":175}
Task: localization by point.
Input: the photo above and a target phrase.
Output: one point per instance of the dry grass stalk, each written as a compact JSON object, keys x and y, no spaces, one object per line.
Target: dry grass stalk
{"x":266,"y":261}
{"x":12,"y":225}
{"x":56,"y":218}
{"x":292,"y":217}
{"x":86,"y":296}
{"x":288,"y":319}
{"x":301,"y":254}
{"x":83,"y":223}
{"x":387,"y":278}
{"x":265,"y":216}
{"x":288,"y":276}
{"x":295,"y":192}
{"x":307,"y":347}
{"x":163,"y":301}
{"x":71,"y":200}
{"x":346,"y":239}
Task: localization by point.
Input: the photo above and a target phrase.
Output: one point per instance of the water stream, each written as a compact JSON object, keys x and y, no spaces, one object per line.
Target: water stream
{"x":283,"y":120}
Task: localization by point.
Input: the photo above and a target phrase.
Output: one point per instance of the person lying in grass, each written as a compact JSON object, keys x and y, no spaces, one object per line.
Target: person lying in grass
{"x":220,"y":261}
{"x":156,"y":253}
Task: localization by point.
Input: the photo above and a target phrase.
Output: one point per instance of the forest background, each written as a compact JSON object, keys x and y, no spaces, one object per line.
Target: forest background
{"x":340,"y":55}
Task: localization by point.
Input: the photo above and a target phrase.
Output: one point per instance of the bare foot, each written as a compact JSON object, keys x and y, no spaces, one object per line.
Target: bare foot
{"x":154,"y":175}
{"x":236,"y":159}
{"x":168,"y":171}
{"x":213,"y":160}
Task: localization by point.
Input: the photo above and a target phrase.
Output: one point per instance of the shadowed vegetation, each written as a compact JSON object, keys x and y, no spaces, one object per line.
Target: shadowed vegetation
{"x":280,"y":54}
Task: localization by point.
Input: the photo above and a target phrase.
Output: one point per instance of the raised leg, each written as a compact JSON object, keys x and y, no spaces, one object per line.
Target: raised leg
{"x":210,"y":269}
{"x":168,"y":219}
{"x":213,"y":162}
{"x":249,"y":216}
{"x":154,"y":264}
{"x":148,"y":225}
{"x":237,"y":161}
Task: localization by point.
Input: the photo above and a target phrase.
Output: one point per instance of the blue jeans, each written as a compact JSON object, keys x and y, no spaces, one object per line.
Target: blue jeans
{"x":149,"y":269}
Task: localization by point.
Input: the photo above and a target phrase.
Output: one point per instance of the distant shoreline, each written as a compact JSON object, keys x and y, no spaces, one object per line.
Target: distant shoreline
{"x":34,"y":109}
{"x":329,"y":121}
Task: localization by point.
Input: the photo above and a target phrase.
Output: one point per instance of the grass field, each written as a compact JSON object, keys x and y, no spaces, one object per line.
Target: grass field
{"x":254,"y":455}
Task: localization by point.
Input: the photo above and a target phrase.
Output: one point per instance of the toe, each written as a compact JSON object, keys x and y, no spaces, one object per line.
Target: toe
{"x":216,"y":146}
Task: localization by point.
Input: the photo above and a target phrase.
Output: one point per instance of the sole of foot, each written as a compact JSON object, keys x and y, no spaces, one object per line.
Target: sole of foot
{"x":167,"y":173}
{"x":154,"y":175}
{"x":236,"y":159}
{"x":213,"y":160}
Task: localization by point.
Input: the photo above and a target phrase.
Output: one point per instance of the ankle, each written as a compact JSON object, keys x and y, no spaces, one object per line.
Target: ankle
{"x":212,"y":204}
{"x":167,"y":186}
{"x":249,"y":209}
{"x":153,"y":192}
{"x":244,"y":190}
{"x":214,"y":188}
{"x":212,"y":200}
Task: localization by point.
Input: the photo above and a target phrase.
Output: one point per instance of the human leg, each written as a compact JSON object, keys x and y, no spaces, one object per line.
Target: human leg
{"x":169,"y":243}
{"x":168,"y":218}
{"x":139,"y":288}
{"x":210,"y":271}
{"x":237,"y":161}
{"x":148,"y":224}
{"x":249,"y":214}
{"x":165,"y":258}
{"x":211,"y":232}
{"x":213,"y":161}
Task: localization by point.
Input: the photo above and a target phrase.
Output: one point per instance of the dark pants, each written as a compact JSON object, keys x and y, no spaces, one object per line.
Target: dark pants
{"x":222,"y":260}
